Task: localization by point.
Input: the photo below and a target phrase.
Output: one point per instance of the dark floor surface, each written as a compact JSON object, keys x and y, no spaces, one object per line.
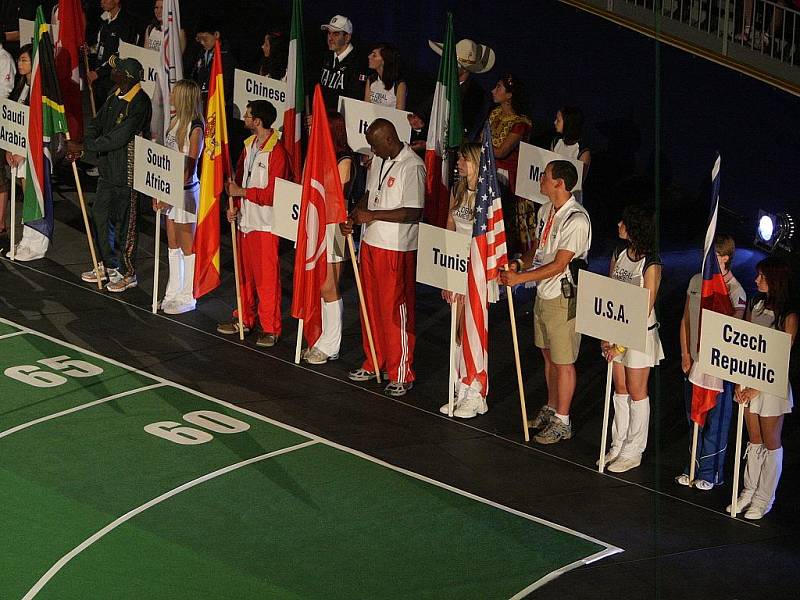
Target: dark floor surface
{"x":678,"y":542}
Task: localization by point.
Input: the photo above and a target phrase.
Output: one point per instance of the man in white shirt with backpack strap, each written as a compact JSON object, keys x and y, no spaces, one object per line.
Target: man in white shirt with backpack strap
{"x":563,"y":234}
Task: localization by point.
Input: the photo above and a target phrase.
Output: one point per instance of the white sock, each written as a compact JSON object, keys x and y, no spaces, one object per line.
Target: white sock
{"x":175,"y":279}
{"x":330,"y":340}
{"x":619,"y":426}
{"x":636,"y":440}
{"x":563,"y":418}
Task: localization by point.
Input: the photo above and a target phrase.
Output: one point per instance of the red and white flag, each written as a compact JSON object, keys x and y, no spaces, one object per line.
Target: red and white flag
{"x":487,"y":256}
{"x":71,"y":38}
{"x":322,"y":202}
{"x":295,"y":94}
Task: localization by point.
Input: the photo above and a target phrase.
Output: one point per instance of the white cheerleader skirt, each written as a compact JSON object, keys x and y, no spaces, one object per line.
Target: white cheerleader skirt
{"x":635,"y":359}
{"x":191,"y":196}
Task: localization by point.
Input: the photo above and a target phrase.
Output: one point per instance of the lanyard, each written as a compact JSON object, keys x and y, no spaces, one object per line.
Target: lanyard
{"x":251,"y":160}
{"x":383,"y":177}
{"x":547,"y":227}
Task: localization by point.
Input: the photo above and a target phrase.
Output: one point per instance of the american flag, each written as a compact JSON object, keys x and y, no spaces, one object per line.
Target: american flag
{"x":487,"y":256}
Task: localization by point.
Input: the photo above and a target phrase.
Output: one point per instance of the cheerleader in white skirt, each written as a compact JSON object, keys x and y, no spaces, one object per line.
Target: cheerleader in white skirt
{"x":636,"y":262}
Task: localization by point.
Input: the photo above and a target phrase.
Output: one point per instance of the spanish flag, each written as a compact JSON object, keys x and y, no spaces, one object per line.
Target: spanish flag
{"x":216,"y":168}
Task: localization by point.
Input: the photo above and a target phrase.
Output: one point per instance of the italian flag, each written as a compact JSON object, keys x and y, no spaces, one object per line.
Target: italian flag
{"x":444,"y":132}
{"x":296,"y":95}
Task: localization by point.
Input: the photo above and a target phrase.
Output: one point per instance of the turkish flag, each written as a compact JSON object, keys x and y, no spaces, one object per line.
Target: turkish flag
{"x":322,"y":202}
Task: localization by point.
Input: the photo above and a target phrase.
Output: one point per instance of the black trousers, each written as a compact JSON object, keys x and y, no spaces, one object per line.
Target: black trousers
{"x":115,"y":215}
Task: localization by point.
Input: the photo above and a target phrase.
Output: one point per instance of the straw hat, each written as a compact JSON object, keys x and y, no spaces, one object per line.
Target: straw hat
{"x":471,"y":56}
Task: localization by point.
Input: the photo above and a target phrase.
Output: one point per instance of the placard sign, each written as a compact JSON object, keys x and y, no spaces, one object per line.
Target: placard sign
{"x":745,"y":353}
{"x":13,"y":127}
{"x":286,"y":209}
{"x":612,"y":310}
{"x":151,"y":62}
{"x":158,"y":172}
{"x":443,"y":258}
{"x":286,"y":217}
{"x":26,"y":32}
{"x":531,"y":165}
{"x":249,"y":86}
{"x":358,"y":115}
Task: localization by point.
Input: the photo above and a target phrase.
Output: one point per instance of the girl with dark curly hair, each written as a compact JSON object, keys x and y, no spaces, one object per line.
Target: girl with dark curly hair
{"x":276,"y":56}
{"x":635,"y":261}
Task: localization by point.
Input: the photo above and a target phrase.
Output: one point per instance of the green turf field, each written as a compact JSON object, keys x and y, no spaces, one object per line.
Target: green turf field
{"x":115,"y":484}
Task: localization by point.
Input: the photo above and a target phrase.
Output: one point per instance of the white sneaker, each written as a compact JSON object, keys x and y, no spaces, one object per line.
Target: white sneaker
{"x":611,"y":456}
{"x":179,"y":305}
{"x":702,"y":484}
{"x":315,"y":356}
{"x":457,"y":398}
{"x":397,"y":389}
{"x":756,"y":511}
{"x":742,"y":502}
{"x":472,"y":405}
{"x":625,"y":463}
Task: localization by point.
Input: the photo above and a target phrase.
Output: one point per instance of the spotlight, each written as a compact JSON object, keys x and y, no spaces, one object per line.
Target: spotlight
{"x":774,"y":231}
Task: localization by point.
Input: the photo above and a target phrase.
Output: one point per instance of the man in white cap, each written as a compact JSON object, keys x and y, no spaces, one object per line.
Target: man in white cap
{"x":472,"y":58}
{"x":341,"y":73}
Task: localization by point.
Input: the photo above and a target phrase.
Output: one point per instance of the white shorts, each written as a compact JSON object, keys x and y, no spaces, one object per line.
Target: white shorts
{"x":768,"y":405}
{"x":634,"y":359}
{"x":337,"y":246}
{"x":191,"y":195}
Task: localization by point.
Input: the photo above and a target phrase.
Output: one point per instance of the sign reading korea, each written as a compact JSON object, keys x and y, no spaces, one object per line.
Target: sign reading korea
{"x":532,"y":161}
{"x":158,"y":172}
{"x":443,"y":258}
{"x":13,"y":127}
{"x":612,"y":310}
{"x":249,"y":86}
{"x":745,"y":353}
{"x":359,"y":115}
{"x":286,"y":209}
{"x":150,"y":60}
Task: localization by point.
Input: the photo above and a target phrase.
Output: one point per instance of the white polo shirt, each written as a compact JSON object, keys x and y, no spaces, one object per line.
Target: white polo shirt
{"x":398,"y":182}
{"x":568,"y":228}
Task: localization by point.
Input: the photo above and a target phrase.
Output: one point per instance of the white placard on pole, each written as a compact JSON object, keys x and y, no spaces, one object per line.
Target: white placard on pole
{"x":612,"y":310}
{"x":26,"y":32}
{"x":359,"y":115}
{"x":158,"y":172}
{"x":151,"y":62}
{"x":531,"y":165}
{"x":13,"y":127}
{"x":286,"y":217}
{"x":249,"y":86}
{"x":745,"y":353}
{"x":286,"y":209}
{"x":442,"y":258}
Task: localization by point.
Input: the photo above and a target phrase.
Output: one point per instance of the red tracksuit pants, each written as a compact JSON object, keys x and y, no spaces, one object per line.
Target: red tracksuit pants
{"x":389,"y":278}
{"x":260,"y":281}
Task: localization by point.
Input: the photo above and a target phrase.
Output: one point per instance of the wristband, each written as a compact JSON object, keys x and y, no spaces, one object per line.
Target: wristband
{"x":620,"y":349}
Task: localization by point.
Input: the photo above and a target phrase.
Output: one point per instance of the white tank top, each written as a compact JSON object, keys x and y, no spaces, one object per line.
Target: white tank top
{"x":567,"y":151}
{"x":154,"y":39}
{"x":378,"y":94}
{"x":170,"y":141}
{"x":632,"y":272}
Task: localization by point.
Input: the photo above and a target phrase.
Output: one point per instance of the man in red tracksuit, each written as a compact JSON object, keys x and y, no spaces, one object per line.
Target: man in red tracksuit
{"x":390,"y":210}
{"x":262,"y":160}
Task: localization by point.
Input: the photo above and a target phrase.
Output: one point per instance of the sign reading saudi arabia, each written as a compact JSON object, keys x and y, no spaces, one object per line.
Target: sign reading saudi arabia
{"x":158,"y":173}
{"x":13,"y":127}
{"x":249,"y":86}
{"x":359,"y":115}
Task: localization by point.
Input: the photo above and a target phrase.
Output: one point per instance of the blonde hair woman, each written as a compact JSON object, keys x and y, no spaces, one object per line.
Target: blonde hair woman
{"x":186,"y":135}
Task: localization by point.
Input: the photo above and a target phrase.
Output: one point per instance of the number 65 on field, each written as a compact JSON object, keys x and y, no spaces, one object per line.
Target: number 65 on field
{"x":35,"y":376}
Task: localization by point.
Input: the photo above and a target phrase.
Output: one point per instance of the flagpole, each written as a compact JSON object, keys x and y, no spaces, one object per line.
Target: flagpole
{"x":298,"y":349}
{"x":606,"y":411}
{"x":84,"y":50}
{"x":518,"y":363}
{"x":13,"y":234}
{"x":452,"y":379}
{"x":82,"y":202}
{"x":737,"y":462}
{"x":695,"y":432}
{"x":364,"y":313}
{"x":155,"y":264}
{"x":236,"y":274}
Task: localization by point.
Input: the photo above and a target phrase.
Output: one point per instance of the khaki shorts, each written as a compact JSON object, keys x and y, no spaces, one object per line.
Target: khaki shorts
{"x":553,"y":331}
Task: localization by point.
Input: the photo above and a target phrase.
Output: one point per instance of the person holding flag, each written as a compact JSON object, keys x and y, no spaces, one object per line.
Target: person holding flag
{"x":47,"y":128}
{"x":262,"y":161}
{"x":390,"y":210}
{"x":476,"y":210}
{"x":322,"y":203}
{"x":713,"y":439}
{"x":111,"y":134}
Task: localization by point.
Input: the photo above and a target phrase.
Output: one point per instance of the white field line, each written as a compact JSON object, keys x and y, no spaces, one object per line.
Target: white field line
{"x":68,"y":411}
{"x":52,"y":571}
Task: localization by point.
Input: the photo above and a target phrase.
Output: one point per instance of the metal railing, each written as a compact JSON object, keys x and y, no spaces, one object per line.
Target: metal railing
{"x":760,"y":38}
{"x":769,"y":28}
